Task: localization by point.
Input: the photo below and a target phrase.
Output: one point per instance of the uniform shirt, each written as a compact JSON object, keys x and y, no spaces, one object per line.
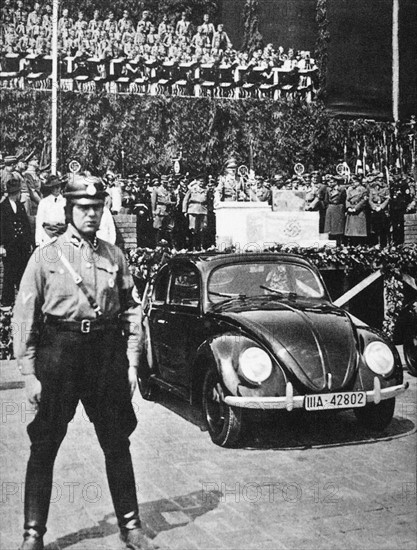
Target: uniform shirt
{"x":221,"y":40}
{"x":47,"y":288}
{"x":34,"y":18}
{"x":51,"y":210}
{"x":227,"y":189}
{"x":182,"y":27}
{"x":335,"y":195}
{"x":195,"y":201}
{"x":15,"y":232}
{"x":379,"y":199}
{"x":207,"y":29}
{"x":161,"y":199}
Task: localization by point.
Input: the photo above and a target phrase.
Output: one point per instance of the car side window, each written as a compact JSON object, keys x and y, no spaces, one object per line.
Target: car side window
{"x":185,"y":288}
{"x":161,"y":286}
{"x":306,"y":283}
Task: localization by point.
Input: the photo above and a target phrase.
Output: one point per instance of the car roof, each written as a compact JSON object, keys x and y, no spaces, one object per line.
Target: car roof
{"x":206,"y":261}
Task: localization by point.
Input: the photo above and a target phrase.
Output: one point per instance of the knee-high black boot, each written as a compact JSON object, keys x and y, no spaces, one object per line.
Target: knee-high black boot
{"x":38,"y":488}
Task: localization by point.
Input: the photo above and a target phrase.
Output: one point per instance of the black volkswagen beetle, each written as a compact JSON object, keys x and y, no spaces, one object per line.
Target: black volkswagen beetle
{"x":258,"y":331}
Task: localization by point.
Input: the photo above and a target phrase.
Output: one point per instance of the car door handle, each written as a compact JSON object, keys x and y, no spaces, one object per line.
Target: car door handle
{"x":161,"y":321}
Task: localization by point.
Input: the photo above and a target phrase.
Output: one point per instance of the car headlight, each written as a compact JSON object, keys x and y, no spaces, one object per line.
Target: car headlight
{"x":255,"y":365}
{"x":379,"y":358}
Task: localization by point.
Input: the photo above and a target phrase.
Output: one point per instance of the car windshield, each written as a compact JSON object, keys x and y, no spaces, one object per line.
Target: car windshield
{"x":282,"y":279}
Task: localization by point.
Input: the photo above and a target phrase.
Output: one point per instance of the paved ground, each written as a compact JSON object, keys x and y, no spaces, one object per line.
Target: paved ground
{"x":303,"y":482}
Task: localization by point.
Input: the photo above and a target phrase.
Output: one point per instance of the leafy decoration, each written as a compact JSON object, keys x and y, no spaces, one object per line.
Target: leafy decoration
{"x":392,"y":261}
{"x":94,"y":128}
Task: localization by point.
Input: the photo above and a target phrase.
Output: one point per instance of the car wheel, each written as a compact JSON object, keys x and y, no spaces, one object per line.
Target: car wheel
{"x":410,"y":352}
{"x":224,"y":423}
{"x":376,"y":417}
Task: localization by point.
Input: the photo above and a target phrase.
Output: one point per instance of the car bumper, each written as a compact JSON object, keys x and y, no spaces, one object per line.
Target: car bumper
{"x":290,"y":401}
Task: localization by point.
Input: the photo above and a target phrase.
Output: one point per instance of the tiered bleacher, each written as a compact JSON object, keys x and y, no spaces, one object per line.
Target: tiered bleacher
{"x":152,"y":57}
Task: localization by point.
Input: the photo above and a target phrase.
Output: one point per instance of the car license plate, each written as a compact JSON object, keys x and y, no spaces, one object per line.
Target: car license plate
{"x":327,"y":401}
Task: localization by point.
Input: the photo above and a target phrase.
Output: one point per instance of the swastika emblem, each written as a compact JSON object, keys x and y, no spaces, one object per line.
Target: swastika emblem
{"x":292,"y":228}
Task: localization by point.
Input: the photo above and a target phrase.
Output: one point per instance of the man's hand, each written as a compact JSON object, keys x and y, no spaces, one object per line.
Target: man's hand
{"x":33,"y":390}
{"x":2,"y":251}
{"x":132,"y":375}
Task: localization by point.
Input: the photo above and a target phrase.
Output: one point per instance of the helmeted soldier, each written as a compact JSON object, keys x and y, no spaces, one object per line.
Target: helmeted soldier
{"x":195,"y":207}
{"x":80,"y":343}
{"x":162,"y":200}
{"x":379,"y":211}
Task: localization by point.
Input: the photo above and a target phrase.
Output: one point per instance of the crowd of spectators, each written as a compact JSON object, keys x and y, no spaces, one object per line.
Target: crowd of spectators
{"x":144,"y":57}
{"x":180,"y":208}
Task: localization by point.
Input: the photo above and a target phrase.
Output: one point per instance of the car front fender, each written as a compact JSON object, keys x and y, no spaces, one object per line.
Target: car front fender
{"x":365,"y":376}
{"x":224,"y":350}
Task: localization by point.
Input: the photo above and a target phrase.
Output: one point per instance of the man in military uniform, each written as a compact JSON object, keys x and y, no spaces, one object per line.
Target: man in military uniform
{"x":316,"y":181}
{"x":33,"y":184}
{"x":195,"y":207}
{"x":228,"y":186}
{"x":73,"y":304}
{"x":15,"y":240}
{"x":335,"y":199}
{"x":379,"y":210}
{"x":258,"y":190}
{"x":180,"y":232}
{"x":400,"y":199}
{"x":356,"y":223}
{"x":6,"y":172}
{"x":162,"y":201}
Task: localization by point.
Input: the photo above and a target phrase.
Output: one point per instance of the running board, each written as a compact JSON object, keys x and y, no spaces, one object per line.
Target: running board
{"x":168,"y":387}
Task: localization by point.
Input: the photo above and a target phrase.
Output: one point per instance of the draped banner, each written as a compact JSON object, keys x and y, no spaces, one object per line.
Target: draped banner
{"x":287,"y":23}
{"x":372,"y":51}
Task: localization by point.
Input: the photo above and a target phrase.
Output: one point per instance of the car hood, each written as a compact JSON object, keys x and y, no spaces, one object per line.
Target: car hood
{"x":315,"y":341}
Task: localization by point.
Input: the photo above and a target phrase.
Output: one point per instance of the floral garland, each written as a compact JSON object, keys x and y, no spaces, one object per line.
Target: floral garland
{"x":6,"y":334}
{"x":393,"y":262}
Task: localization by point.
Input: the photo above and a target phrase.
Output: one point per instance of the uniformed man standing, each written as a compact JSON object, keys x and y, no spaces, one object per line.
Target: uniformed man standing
{"x":378,"y":204}
{"x":163,"y":201}
{"x":195,"y":206}
{"x":228,"y":186}
{"x":15,"y":241}
{"x":335,"y":199}
{"x":74,"y":347}
{"x":356,"y":223}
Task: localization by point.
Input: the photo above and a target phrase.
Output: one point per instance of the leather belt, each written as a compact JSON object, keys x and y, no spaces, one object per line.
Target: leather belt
{"x":85,"y":326}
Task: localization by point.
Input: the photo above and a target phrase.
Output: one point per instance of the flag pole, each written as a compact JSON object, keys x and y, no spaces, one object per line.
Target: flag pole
{"x":395,"y":61}
{"x":54,"y":98}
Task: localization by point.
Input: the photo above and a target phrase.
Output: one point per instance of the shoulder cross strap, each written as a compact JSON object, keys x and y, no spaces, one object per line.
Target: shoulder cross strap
{"x":80,"y":283}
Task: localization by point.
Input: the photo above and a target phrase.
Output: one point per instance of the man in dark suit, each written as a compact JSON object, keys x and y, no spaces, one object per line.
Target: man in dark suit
{"x":15,"y":240}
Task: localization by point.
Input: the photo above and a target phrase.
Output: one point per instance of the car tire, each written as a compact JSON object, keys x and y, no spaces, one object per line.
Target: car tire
{"x":376,"y":417}
{"x":224,"y":423}
{"x":410,"y":352}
